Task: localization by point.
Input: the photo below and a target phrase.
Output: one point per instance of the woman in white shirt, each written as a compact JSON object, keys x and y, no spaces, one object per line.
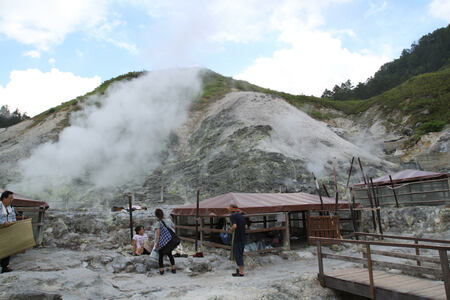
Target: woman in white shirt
{"x":141,"y":245}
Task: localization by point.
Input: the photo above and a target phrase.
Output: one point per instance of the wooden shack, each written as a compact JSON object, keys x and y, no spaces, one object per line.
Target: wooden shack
{"x":34,"y":209}
{"x":406,"y":188}
{"x":286,"y":216}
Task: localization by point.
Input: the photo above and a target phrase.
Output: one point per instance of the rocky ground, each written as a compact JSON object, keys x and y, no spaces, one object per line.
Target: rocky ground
{"x":84,"y":256}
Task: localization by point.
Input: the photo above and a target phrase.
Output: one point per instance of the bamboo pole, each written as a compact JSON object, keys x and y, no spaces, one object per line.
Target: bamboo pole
{"x":196,"y":221}
{"x":377,"y":204}
{"x":336,"y":190}
{"x":318,"y":191}
{"x":131,"y":216}
{"x":326,"y":190}
{"x":368,"y":194}
{"x":393,"y":190}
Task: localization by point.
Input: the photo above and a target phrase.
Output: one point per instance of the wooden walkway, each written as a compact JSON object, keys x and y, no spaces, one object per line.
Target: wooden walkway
{"x":368,"y":282}
{"x":387,"y":286}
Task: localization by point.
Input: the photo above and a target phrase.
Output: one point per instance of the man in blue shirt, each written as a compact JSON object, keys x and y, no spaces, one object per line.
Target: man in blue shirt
{"x":238,"y":227}
{"x":7,"y":216}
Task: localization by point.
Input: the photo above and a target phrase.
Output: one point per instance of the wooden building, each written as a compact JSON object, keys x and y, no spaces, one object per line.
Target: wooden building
{"x":406,"y":188}
{"x":277,"y":219}
{"x":34,"y":209}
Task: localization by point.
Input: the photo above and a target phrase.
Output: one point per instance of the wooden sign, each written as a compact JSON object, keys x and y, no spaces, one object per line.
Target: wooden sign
{"x":16,"y":238}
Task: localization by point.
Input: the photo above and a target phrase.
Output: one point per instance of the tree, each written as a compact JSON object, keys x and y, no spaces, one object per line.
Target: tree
{"x":7,"y":118}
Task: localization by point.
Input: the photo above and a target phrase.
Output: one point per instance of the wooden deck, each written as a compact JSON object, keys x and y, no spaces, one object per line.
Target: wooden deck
{"x":387,"y":286}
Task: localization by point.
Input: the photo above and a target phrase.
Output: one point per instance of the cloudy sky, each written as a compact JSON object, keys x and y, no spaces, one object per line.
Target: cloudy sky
{"x":53,"y":50}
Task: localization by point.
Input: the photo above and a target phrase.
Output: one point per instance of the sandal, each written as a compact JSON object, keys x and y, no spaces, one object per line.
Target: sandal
{"x":237,"y":274}
{"x":161,"y":272}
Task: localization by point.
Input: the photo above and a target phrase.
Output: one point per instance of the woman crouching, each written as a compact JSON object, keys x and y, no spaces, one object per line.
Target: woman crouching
{"x":141,"y":245}
{"x":162,"y":239}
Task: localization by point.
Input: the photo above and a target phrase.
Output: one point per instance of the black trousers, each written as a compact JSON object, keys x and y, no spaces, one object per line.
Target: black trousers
{"x":165,"y":251}
{"x":4,"y":262}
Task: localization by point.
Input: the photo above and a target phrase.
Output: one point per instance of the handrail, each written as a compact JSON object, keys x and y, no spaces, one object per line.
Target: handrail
{"x":442,"y":257}
{"x":339,"y":241}
{"x":403,"y":237}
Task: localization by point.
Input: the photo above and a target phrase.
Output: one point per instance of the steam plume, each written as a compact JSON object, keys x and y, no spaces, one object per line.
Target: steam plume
{"x":113,"y":141}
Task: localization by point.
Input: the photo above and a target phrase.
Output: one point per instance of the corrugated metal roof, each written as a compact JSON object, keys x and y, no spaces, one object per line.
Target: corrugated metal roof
{"x":255,"y":203}
{"x":407,"y":176}
{"x":24,"y":201}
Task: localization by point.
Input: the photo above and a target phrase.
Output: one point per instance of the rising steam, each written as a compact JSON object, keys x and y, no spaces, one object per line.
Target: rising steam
{"x":113,"y":141}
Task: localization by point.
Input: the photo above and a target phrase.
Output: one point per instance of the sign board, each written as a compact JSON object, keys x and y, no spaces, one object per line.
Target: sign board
{"x":16,"y":238}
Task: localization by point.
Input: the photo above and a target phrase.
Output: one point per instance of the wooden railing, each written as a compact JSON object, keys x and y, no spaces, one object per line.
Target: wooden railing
{"x":441,"y":272}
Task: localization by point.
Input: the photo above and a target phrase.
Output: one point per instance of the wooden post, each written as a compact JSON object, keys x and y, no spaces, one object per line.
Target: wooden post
{"x":336,"y":190}
{"x":319,"y":258}
{"x":377,"y":204}
{"x":325,"y":189}
{"x":445,"y":271}
{"x":350,"y":172}
{"x":131,"y":216}
{"x":304,"y":224}
{"x":352,"y":213}
{"x":287,"y":241}
{"x":393,"y":190}
{"x":196,"y":221}
{"x":39,"y":226}
{"x":372,"y":206}
{"x":369,"y":267}
{"x":201,"y":232}
{"x":316,"y":182}
{"x":416,"y":241}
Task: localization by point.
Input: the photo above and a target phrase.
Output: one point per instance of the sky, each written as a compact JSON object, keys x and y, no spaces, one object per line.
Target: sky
{"x":53,"y":51}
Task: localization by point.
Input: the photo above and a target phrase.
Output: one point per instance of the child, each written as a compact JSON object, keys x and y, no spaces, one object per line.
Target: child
{"x":141,"y":245}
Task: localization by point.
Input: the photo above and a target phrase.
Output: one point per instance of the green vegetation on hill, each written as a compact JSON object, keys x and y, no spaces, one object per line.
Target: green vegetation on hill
{"x":8,"y":118}
{"x":425,"y":98}
{"x":429,"y":54}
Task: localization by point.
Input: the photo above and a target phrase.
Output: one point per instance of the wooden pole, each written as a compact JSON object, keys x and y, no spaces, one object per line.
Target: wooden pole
{"x":368,"y":194}
{"x":372,"y":206}
{"x":362,"y":172}
{"x":318,"y":191}
{"x":196,"y":221}
{"x":393,"y":190}
{"x":350,"y":172}
{"x":131,"y":216}
{"x":287,"y":241}
{"x":445,"y":271}
{"x":320,"y":261}
{"x":377,"y":204}
{"x":325,"y":189}
{"x":336,"y":190}
{"x":369,"y":267}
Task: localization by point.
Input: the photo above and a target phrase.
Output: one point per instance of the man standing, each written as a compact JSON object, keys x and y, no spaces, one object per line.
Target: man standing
{"x":238,"y":227}
{"x":7,"y":216}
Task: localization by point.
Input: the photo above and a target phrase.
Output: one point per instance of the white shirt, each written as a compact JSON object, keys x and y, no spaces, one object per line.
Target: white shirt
{"x":140,"y":240}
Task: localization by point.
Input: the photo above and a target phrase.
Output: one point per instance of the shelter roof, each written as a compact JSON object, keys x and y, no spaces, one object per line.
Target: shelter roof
{"x":24,"y":201}
{"x":407,"y":175}
{"x":257,"y":203}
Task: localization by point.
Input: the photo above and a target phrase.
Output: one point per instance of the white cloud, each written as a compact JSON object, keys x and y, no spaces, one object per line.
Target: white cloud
{"x":314,"y":61}
{"x":32,"y":54}
{"x":440,"y":9}
{"x":44,"y":24}
{"x":33,"y":91}
{"x":51,"y":61}
{"x":375,"y":8}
